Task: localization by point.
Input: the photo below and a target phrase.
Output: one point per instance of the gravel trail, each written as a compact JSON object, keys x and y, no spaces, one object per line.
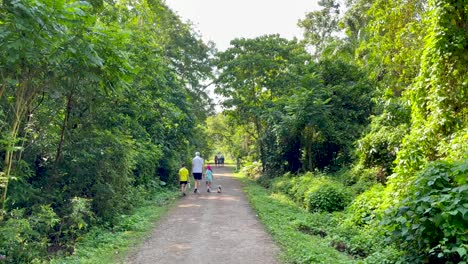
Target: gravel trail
{"x":209,"y":228}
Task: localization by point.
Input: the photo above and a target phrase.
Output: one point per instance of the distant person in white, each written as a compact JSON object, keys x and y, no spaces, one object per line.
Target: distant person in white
{"x":197,"y":170}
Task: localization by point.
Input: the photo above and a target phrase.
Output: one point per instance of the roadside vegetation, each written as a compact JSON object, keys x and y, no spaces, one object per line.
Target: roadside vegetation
{"x":109,"y":246}
{"x":305,"y":216}
{"x":361,"y":145}
{"x":354,"y":139}
{"x":298,"y":232}
{"x":100,"y":104}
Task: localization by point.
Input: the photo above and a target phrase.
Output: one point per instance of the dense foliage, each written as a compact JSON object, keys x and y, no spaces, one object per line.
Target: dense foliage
{"x":359,"y":132}
{"x":100,"y":102}
{"x":373,"y":123}
{"x":300,"y":114}
{"x":433,"y":217}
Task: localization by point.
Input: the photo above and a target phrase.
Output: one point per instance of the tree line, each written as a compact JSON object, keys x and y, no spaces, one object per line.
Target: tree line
{"x":375,"y":97}
{"x":100,"y":102}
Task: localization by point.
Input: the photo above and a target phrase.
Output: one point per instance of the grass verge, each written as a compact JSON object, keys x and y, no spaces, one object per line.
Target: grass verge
{"x":298,"y":232}
{"x":106,"y":246}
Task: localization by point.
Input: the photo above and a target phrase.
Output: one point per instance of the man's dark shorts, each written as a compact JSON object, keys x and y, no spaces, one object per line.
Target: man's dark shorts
{"x":183,"y":182}
{"x":197,"y":175}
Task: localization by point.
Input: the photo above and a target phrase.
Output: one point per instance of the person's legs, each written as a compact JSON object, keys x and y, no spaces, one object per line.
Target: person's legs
{"x":197,"y":177}
{"x":183,"y":186}
{"x":197,"y":183}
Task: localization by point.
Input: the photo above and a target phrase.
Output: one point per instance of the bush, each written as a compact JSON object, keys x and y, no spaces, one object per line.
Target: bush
{"x":314,"y":192}
{"x":303,"y":184}
{"x":379,"y":146}
{"x":386,"y":255}
{"x":327,"y":197}
{"x":360,"y":178}
{"x":431,"y":223}
{"x":282,"y":184}
{"x":253,"y":171}
{"x":365,"y":208}
{"x":78,"y":220}
{"x":24,"y":238}
{"x":264,"y":181}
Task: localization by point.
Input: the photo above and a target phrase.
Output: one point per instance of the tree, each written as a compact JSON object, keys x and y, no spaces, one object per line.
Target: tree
{"x":254,"y":74}
{"x":321,"y":27}
{"x":99,"y":102}
{"x":33,"y":43}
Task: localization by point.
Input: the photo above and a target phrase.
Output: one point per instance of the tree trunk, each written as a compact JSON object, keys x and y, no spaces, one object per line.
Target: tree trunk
{"x":260,"y":144}
{"x":20,"y":106}
{"x":58,"y":156}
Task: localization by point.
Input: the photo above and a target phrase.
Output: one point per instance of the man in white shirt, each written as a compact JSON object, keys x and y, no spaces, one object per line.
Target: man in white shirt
{"x":197,"y":170}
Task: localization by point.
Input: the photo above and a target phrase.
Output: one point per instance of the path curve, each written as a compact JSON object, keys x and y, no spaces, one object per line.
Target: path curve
{"x":209,"y":228}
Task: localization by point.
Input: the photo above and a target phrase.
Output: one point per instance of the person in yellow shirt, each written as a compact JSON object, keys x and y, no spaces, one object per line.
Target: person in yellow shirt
{"x":183,"y":179}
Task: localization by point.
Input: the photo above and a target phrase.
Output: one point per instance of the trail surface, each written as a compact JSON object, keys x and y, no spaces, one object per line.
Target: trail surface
{"x":209,"y":228}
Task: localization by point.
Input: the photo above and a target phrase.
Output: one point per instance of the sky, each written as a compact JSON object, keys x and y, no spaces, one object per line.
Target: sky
{"x":221,"y":21}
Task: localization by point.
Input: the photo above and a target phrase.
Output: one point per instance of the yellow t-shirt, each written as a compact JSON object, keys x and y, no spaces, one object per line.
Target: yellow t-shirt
{"x":183,"y":174}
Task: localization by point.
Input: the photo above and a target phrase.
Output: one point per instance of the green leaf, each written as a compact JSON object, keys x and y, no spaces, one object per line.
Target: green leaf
{"x":461,"y":251}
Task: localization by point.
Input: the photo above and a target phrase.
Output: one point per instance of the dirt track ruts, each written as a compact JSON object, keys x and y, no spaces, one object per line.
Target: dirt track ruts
{"x":209,"y":228}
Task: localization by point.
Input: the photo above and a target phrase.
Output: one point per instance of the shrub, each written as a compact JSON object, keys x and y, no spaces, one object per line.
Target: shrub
{"x":386,"y":255}
{"x":253,"y":171}
{"x":379,"y":146}
{"x":282,"y":184}
{"x":303,"y":184}
{"x":362,"y":186}
{"x":364,"y":209}
{"x":432,"y":221}
{"x":327,"y":197}
{"x":264,"y":181}
{"x":24,"y":238}
{"x":78,"y":219}
{"x":360,"y":178}
{"x":310,"y":191}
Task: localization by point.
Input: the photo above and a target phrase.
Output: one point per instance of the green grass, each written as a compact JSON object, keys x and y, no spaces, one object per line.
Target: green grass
{"x":106,"y":246}
{"x":296,"y":231}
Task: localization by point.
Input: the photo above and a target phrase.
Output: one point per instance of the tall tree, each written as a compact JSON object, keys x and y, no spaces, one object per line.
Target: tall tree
{"x":255,"y":73}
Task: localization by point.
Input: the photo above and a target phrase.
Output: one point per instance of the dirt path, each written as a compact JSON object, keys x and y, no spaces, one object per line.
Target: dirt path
{"x":209,"y":228}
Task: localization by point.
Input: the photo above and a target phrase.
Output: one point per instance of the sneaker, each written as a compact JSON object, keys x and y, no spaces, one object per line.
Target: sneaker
{"x":219,"y":189}
{"x":195,"y":191}
{"x":184,"y":194}
{"x":208,"y":190}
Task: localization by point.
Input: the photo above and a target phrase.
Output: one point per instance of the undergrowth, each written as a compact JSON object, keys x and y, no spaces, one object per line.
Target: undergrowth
{"x":109,"y":246}
{"x":298,"y":232}
{"x":316,"y":236}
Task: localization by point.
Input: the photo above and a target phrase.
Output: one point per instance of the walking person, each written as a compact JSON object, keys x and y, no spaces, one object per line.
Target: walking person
{"x":197,"y":170}
{"x":216,"y":160}
{"x":208,"y":177}
{"x":183,"y":179}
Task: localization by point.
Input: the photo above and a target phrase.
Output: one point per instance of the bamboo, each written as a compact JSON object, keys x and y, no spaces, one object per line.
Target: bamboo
{"x":21,"y":104}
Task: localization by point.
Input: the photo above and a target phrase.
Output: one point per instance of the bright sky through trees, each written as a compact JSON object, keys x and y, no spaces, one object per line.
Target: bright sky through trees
{"x":223,"y":20}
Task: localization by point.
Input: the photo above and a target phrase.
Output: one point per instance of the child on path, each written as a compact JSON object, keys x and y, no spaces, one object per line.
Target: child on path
{"x":209,"y":178}
{"x":183,"y":179}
